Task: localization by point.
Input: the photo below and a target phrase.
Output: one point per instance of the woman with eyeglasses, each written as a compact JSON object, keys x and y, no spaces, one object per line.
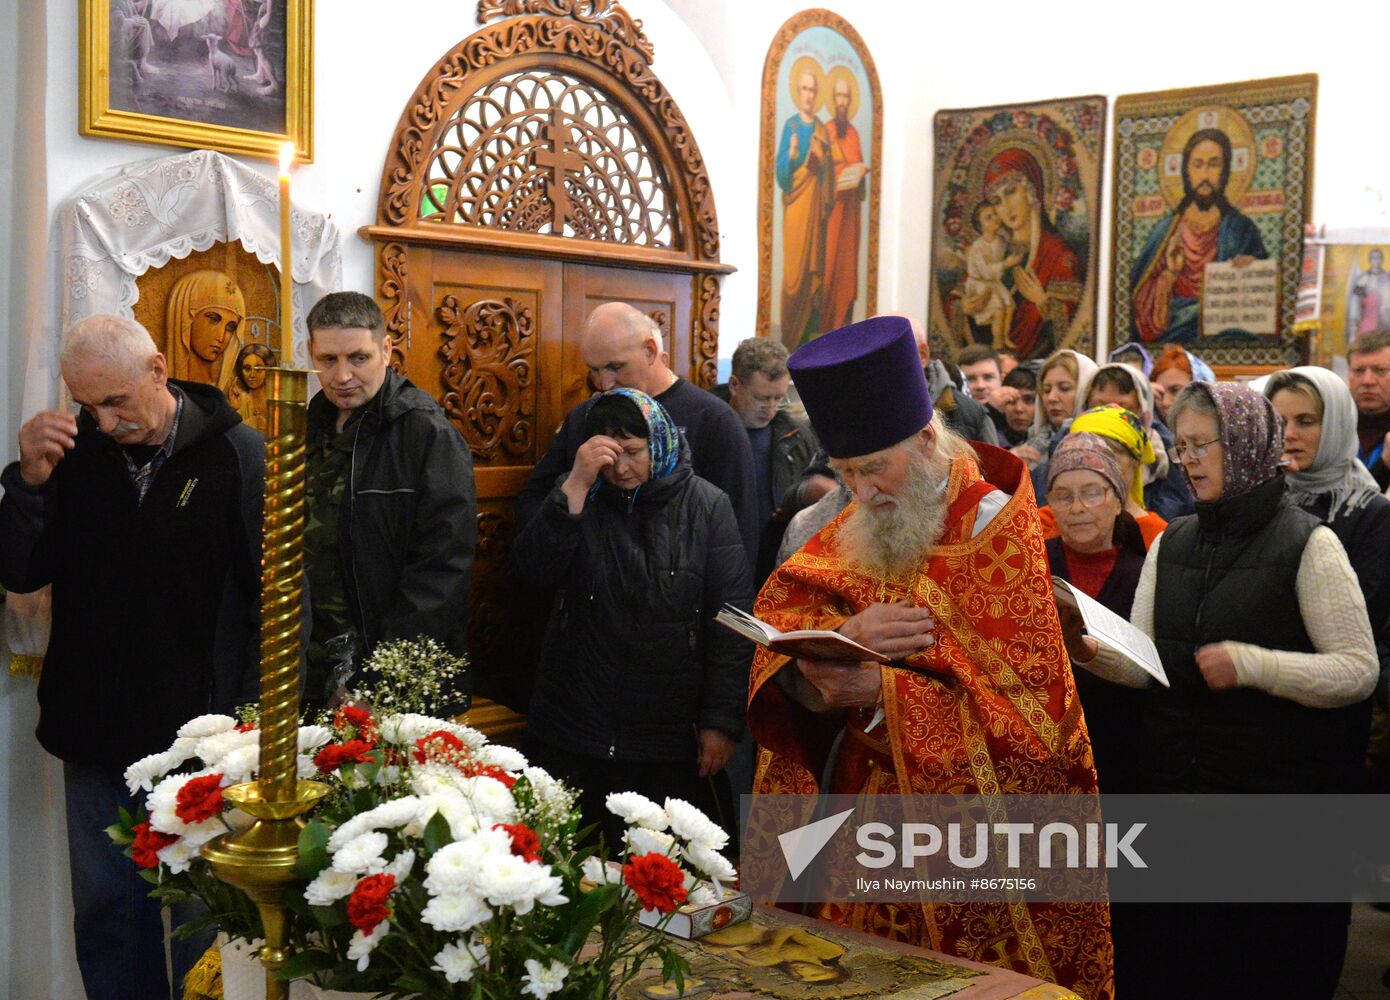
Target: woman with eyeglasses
{"x":1263,"y":633}
{"x":1100,"y":551}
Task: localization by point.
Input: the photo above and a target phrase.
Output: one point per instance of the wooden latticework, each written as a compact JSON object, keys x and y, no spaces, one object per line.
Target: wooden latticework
{"x":541,"y":151}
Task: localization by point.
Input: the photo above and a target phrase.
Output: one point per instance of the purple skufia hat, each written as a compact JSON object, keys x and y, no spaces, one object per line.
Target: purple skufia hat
{"x":863,"y":387}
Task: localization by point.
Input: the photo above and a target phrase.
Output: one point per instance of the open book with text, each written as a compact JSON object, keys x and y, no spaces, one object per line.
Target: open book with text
{"x":809,"y":644}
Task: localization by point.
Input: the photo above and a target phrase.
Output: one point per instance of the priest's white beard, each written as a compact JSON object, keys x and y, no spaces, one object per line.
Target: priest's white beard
{"x":894,"y":537}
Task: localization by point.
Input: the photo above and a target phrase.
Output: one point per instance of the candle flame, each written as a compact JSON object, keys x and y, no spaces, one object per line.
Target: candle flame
{"x":286,"y":157}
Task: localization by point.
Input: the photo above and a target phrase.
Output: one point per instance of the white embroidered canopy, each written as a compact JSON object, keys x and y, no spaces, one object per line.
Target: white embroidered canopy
{"x":140,"y":216}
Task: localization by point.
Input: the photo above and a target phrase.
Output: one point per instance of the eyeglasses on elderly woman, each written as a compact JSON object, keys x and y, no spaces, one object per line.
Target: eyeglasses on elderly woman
{"x":1091,"y":496}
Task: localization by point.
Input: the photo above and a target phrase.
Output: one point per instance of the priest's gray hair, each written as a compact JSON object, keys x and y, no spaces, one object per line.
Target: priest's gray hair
{"x":111,"y":341}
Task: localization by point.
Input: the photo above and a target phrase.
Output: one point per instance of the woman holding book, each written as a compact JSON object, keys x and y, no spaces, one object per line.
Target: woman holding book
{"x":1263,"y":633}
{"x":638,"y":688}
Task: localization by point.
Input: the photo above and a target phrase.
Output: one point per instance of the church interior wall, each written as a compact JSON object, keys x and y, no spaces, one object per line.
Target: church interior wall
{"x":710,"y":54}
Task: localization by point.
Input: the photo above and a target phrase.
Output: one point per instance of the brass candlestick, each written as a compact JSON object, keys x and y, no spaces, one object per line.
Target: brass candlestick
{"x":260,"y":860}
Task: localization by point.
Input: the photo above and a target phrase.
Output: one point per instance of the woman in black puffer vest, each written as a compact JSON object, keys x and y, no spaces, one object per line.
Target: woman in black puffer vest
{"x":638,"y":689}
{"x":1264,"y":636}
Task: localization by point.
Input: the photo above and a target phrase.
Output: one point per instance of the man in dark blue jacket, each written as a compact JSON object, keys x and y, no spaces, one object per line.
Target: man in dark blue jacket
{"x":143,"y":511}
{"x":392,"y":505}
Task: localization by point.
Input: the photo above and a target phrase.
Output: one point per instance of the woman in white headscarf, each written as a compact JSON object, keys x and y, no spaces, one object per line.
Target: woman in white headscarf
{"x":1324,"y":477}
{"x":1058,"y":380}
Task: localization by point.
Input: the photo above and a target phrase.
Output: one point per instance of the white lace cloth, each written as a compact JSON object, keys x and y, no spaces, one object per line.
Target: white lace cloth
{"x":140,"y":216}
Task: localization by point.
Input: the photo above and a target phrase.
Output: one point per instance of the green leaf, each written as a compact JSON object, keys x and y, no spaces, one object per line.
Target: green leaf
{"x":150,"y":875}
{"x":124,"y":814}
{"x":119,"y":834}
{"x":313,"y":850}
{"x":328,"y":916}
{"x":410,"y":984}
{"x":585,"y":915}
{"x":437,"y":833}
{"x":306,"y":963}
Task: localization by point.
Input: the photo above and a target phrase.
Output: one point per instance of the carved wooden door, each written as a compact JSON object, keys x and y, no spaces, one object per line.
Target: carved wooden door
{"x":540,"y":169}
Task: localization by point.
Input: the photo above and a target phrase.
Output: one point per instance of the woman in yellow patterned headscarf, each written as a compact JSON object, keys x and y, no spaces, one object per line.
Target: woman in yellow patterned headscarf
{"x":1118,"y":424}
{"x":1134,"y":449}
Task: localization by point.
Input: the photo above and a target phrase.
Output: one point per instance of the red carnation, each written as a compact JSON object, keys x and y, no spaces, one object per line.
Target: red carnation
{"x":335,"y":755}
{"x":493,"y":771}
{"x":359,"y":719}
{"x":199,"y":798}
{"x":367,"y":906}
{"x":525,"y":844}
{"x":439,"y":744}
{"x":657,"y":881}
{"x":148,"y":843}
{"x":245,"y":727}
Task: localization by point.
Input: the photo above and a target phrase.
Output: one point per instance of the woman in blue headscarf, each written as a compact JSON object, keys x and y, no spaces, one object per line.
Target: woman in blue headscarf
{"x":638,"y":688}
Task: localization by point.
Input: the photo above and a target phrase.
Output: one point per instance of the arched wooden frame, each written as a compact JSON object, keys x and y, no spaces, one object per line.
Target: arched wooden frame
{"x":794,"y":26}
{"x":596,"y":42}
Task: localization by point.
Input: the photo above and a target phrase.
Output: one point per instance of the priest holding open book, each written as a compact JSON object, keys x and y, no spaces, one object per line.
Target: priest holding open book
{"x":939,"y":565}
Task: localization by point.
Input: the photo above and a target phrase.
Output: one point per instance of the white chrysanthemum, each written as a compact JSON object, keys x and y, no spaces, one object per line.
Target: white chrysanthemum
{"x":362,"y":853}
{"x":595,"y":870}
{"x":457,"y":811}
{"x":388,"y":774}
{"x":206,"y":725}
{"x":693,"y":825}
{"x":240,"y":765}
{"x":401,"y":865}
{"x":637,"y":810}
{"x":504,"y":757}
{"x":491,"y":799}
{"x":178,"y":855}
{"x":459,"y":961}
{"x":361,"y":946}
{"x":212,"y":749}
{"x":520,"y":884}
{"x":330,"y":886}
{"x":436,"y":779}
{"x":147,"y":770}
{"x":185,"y":745}
{"x":305,"y":767}
{"x":456,"y":911}
{"x":640,"y":840}
{"x":702,"y":895}
{"x":389,"y":815}
{"x":712,"y":863}
{"x":404,"y":729}
{"x":543,"y":980}
{"x":313,"y":737}
{"x":457,"y":866}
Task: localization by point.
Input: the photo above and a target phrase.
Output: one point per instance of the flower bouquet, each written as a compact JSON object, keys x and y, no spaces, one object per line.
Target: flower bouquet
{"x":439,"y":865}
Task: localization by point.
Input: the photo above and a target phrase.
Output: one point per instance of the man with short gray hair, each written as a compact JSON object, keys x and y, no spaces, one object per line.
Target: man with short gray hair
{"x":782,"y":446}
{"x":143,"y":510}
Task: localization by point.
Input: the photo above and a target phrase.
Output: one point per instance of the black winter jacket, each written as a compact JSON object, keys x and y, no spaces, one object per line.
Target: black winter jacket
{"x":409,"y":521}
{"x":1230,"y":574}
{"x":155,"y":605}
{"x":634,"y":663}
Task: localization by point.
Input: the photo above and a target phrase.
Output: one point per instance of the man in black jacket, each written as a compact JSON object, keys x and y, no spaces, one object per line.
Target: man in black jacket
{"x":782,"y":446}
{"x":143,"y":512}
{"x":621,"y":348}
{"x":392,"y":507}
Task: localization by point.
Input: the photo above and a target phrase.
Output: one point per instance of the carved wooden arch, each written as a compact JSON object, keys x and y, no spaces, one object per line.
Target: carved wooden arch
{"x":597,"y":42}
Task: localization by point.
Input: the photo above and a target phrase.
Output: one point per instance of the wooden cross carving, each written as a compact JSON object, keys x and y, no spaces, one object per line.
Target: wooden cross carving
{"x":558,"y":159}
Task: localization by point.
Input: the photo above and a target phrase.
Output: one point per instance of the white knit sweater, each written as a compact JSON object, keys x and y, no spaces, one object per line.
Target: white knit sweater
{"x":1342,"y":671}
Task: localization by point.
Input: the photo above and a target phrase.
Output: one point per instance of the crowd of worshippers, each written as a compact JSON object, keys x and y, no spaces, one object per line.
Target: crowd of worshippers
{"x":861,"y":484}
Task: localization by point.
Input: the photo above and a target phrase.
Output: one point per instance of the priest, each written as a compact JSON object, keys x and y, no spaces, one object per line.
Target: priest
{"x":938,"y":563}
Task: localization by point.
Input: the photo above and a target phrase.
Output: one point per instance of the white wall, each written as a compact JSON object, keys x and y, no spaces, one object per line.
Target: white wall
{"x":709,"y":53}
